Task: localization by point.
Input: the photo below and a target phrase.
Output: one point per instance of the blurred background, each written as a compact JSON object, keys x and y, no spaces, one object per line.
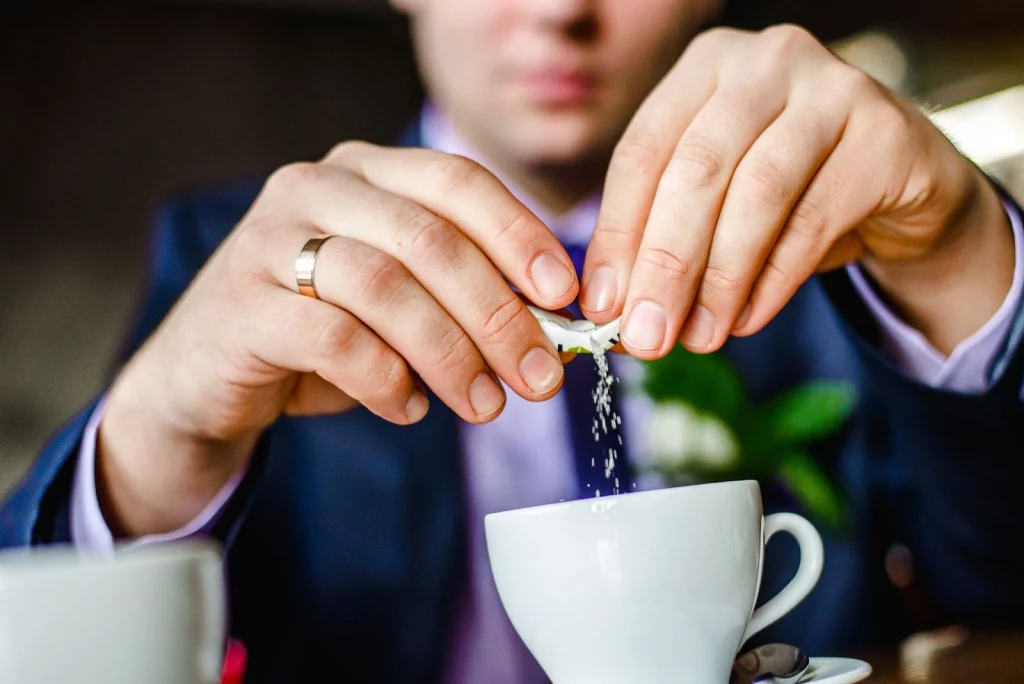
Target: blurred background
{"x":109,"y":108}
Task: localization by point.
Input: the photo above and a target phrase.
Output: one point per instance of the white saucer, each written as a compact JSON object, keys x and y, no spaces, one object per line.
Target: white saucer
{"x":835,"y":671}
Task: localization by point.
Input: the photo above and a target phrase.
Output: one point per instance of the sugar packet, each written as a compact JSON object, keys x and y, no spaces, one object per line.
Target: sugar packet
{"x":578,"y":336}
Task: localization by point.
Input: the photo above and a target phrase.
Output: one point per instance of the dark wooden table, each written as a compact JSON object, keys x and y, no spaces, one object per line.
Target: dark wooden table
{"x":952,"y":656}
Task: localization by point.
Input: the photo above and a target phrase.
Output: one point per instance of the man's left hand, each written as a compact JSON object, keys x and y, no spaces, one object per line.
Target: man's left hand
{"x":762,"y":158}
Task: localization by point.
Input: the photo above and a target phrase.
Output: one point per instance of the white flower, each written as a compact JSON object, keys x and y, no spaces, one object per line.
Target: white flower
{"x":680,"y":436}
{"x":671,"y":431}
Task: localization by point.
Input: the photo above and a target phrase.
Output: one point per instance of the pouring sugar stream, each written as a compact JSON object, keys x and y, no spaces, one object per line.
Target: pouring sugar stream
{"x":584,"y":337}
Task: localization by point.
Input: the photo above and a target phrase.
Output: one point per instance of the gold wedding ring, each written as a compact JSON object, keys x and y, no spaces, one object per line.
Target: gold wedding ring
{"x":305,"y":266}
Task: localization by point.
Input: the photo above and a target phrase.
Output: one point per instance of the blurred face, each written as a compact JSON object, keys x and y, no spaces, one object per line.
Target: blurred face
{"x":547,"y":83}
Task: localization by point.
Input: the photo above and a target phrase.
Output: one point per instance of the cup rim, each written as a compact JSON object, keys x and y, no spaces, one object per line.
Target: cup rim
{"x":615,"y":499}
{"x":62,"y":559}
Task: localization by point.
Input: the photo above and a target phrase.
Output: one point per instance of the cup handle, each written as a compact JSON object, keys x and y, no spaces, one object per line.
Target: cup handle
{"x":812,"y":559}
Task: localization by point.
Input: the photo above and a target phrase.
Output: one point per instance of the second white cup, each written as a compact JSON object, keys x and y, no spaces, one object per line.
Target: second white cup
{"x":146,"y":615}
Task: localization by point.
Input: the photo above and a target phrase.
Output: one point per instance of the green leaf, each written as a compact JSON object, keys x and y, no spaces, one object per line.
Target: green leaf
{"x":813,"y":489}
{"x":810,"y":412}
{"x":707,"y":382}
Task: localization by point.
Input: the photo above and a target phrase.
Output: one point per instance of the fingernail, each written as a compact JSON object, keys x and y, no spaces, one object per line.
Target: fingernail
{"x":550,"y":276}
{"x":743,"y":317}
{"x":645,"y":327}
{"x":416,"y":407}
{"x":486,"y":395}
{"x":698,"y":329}
{"x":599,"y":292}
{"x":540,"y":370}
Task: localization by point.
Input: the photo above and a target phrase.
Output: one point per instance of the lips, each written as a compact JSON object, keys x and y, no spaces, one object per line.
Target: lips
{"x":559,"y":88}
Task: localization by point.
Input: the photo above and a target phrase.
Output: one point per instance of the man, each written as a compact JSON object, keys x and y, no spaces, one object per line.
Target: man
{"x":299,"y":429}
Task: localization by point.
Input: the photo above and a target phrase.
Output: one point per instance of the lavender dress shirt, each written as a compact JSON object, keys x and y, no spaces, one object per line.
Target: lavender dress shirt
{"x":507,"y":467}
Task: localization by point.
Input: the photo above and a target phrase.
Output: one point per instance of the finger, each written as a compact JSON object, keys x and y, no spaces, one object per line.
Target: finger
{"x":769,"y":180}
{"x":380,"y":291}
{"x":309,"y":336}
{"x":469,"y":196}
{"x":636,"y":166}
{"x":448,"y":265}
{"x":679,"y":232}
{"x":829,"y":208}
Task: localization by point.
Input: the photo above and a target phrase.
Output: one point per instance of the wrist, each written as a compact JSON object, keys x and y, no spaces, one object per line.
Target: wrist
{"x":153,"y":473}
{"x":960,"y":284}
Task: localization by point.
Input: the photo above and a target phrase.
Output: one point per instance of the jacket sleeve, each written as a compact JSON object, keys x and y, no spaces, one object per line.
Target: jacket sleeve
{"x":186,"y":234}
{"x":950,"y":471}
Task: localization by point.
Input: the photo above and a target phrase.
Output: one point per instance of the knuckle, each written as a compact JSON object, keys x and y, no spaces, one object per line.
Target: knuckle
{"x":456,"y":172}
{"x":613,"y":234}
{"x":721,"y":278}
{"x":497,"y":327}
{"x":430,"y":234}
{"x":513,"y":225}
{"x":380,"y":278}
{"x":713,"y":39}
{"x":663,"y":262}
{"x":392,"y":376}
{"x":773,"y":274}
{"x":854,"y":83}
{"x":293,"y":175}
{"x":454,"y":350}
{"x":347,"y":149}
{"x":782,"y":39}
{"x":337,"y":338}
{"x":808,"y":221}
{"x":764,"y":182}
{"x":636,"y":154}
{"x":694,"y":164}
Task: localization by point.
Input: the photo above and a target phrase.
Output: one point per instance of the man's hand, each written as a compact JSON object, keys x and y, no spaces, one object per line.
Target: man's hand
{"x":761,"y":158}
{"x":412,"y":283}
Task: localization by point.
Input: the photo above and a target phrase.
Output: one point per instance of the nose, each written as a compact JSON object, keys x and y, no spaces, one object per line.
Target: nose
{"x":563,"y":14}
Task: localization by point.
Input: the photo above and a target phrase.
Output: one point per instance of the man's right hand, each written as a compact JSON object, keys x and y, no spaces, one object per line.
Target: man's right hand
{"x":412,"y":282}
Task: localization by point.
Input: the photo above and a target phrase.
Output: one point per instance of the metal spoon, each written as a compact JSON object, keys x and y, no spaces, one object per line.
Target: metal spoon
{"x":771,"y":663}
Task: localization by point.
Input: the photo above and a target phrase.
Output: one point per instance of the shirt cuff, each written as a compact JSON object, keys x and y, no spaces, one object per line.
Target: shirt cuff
{"x":966,"y":369}
{"x":89,"y":529}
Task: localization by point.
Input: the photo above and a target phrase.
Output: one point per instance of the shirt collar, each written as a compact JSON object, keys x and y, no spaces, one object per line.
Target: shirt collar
{"x":574,"y":226}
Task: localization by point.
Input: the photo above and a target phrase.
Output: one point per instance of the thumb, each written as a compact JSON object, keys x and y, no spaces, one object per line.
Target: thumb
{"x":314,"y":396}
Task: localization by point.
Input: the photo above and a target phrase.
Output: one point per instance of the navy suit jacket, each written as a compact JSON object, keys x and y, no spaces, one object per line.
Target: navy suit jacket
{"x":345,"y":542}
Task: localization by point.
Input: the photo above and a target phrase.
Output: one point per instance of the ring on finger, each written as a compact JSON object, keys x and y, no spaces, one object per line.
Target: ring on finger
{"x":305,"y":266}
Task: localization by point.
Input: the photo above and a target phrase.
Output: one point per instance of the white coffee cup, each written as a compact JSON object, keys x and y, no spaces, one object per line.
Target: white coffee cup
{"x":652,"y":587}
{"x":145,"y":615}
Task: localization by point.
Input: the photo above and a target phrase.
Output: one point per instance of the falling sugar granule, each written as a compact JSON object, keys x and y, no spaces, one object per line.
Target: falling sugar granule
{"x":606,"y":420}
{"x":582,"y":336}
